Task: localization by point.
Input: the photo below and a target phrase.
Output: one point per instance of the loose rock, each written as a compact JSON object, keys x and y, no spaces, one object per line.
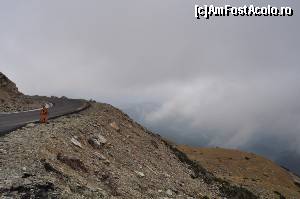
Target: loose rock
{"x":76,"y":142}
{"x":115,"y":126}
{"x":30,"y":125}
{"x":97,"y":141}
{"x":73,"y":162}
{"x":100,"y":156}
{"x":140,"y":174}
{"x":169,"y":192}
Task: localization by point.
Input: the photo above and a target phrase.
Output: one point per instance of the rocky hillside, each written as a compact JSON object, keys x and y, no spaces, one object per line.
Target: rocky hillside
{"x":101,"y":153}
{"x":8,"y":86}
{"x":11,"y":99}
{"x":262,"y":176}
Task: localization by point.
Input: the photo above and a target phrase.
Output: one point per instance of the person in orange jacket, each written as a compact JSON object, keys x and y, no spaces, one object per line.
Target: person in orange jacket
{"x":44,"y":114}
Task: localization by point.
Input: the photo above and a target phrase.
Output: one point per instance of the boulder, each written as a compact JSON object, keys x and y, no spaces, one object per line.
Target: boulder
{"x":140,"y":174}
{"x":97,"y":141}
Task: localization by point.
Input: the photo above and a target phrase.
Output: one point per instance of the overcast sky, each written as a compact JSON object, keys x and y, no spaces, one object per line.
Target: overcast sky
{"x":227,"y":81}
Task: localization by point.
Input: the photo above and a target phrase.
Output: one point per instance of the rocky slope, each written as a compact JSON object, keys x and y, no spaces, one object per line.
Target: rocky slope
{"x":11,"y":99}
{"x":101,"y":153}
{"x":8,"y":86}
{"x":260,"y":175}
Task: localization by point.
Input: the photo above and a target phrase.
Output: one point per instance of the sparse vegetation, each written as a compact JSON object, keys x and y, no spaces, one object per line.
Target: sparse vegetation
{"x":245,"y":170}
{"x":227,"y":189}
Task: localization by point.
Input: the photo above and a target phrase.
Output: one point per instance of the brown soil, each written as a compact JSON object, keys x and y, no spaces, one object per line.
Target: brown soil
{"x":257,"y":173}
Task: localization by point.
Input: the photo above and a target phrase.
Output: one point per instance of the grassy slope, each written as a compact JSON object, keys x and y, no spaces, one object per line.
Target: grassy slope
{"x":252,"y":171}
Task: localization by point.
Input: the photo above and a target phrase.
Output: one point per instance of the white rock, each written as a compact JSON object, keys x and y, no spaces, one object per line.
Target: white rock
{"x":169,"y":192}
{"x":101,"y":139}
{"x":30,"y":125}
{"x":97,"y":141}
{"x":3,"y":151}
{"x":76,"y":142}
{"x":140,"y":174}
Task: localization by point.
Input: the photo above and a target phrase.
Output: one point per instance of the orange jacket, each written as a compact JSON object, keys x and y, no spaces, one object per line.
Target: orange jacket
{"x":44,"y":111}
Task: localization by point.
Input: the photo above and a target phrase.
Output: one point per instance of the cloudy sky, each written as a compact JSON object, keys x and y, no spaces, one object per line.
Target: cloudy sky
{"x":228,"y":81}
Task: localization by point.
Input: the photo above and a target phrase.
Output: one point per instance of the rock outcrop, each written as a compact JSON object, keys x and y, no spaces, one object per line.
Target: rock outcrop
{"x":11,"y":99}
{"x":6,"y":85}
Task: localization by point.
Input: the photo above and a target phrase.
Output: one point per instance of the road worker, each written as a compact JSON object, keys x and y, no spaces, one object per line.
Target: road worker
{"x":44,"y":114}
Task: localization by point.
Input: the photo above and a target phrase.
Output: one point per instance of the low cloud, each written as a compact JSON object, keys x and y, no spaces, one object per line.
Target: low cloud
{"x":234,"y":111}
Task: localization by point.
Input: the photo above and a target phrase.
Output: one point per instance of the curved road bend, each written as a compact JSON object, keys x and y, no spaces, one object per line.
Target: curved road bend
{"x":13,"y":121}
